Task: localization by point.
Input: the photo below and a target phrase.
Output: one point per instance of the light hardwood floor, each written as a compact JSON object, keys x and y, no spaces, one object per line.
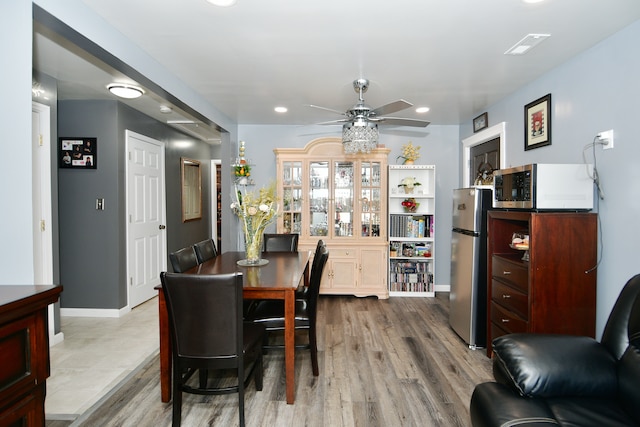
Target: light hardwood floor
{"x":389,"y":362}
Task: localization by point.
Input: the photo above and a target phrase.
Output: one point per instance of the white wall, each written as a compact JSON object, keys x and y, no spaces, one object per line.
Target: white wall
{"x":16,"y":235}
{"x":439,"y":146}
{"x":593,"y":92}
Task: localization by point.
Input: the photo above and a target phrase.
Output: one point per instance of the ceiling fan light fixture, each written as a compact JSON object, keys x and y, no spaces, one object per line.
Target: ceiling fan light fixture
{"x":222,"y":3}
{"x":359,"y":136}
{"x":126,"y":91}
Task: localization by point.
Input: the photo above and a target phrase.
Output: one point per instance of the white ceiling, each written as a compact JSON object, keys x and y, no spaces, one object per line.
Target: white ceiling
{"x":447,"y":55}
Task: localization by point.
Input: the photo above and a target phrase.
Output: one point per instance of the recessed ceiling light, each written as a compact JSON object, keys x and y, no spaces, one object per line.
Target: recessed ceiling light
{"x":527,"y":43}
{"x":422,"y":109}
{"x":222,"y":3}
{"x":125,"y":91}
{"x":533,"y":1}
{"x":281,"y":109}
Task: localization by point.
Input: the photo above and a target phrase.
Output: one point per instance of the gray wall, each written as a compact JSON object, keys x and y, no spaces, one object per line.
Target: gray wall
{"x":92,"y":242}
{"x":593,"y":92}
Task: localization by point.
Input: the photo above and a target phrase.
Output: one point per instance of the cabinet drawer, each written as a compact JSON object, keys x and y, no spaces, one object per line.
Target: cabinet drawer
{"x":496,"y":331}
{"x":343,"y":252}
{"x":507,"y":320}
{"x":510,"y":298}
{"x":510,"y":272}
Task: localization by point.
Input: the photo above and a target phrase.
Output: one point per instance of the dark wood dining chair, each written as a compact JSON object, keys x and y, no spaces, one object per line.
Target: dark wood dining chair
{"x":183,"y":259}
{"x":280,"y":242}
{"x":208,"y":334}
{"x":302,"y":290}
{"x":205,"y":250}
{"x":270,"y":313}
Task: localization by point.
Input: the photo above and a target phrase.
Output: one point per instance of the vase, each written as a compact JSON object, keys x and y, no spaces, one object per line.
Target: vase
{"x":253,"y":250}
{"x":408,"y":190}
{"x":408,"y":162}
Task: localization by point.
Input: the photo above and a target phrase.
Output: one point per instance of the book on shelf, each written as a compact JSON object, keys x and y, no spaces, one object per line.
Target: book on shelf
{"x":414,"y":226}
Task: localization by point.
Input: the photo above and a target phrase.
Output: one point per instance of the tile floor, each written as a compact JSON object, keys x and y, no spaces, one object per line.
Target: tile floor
{"x":95,"y":355}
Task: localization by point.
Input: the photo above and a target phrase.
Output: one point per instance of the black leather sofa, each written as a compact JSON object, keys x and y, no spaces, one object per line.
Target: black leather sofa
{"x":544,"y":380}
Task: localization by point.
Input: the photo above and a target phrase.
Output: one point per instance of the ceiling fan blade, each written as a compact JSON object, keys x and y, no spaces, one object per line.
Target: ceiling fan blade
{"x":399,"y":121}
{"x":333,"y":122}
{"x":342,"y":113}
{"x":392,"y":107}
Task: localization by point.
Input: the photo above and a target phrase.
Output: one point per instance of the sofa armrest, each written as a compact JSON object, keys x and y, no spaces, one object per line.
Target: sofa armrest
{"x":543,"y":365}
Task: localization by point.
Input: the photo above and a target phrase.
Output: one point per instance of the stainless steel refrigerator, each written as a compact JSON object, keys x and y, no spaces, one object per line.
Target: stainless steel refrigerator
{"x":468,"y":296}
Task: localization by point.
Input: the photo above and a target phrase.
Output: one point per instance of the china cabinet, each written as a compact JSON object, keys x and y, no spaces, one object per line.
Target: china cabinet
{"x":546,"y":281}
{"x":339,"y":198}
{"x":411,"y":207}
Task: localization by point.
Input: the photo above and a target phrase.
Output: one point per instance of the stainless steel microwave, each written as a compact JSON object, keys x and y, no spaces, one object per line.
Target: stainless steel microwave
{"x":544,"y":187}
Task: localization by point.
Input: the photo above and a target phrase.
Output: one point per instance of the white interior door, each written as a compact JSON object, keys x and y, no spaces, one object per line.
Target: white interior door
{"x":146,"y":236}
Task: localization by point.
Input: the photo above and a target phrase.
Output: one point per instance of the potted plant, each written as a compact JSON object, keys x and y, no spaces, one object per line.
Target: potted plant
{"x":409,"y":153}
{"x":408,"y":184}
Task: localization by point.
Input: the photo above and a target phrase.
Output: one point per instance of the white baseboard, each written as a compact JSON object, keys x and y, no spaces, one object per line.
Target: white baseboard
{"x":94,"y":312}
{"x":442,"y":288}
{"x":56,"y":339}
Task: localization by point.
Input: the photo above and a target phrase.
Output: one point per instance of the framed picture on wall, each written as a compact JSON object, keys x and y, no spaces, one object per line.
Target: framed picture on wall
{"x":537,"y":123}
{"x":78,"y":153}
{"x":481,"y":122}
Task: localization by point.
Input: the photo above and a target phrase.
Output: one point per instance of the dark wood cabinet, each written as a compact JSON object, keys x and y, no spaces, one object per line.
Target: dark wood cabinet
{"x":555,"y":290}
{"x":24,"y":353}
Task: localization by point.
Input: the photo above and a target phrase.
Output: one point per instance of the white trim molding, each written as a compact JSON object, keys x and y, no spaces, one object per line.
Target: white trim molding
{"x":94,"y":312}
{"x":495,"y":131}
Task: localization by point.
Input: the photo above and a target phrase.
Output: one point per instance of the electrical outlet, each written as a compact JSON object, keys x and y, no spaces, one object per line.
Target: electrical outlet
{"x":607,"y":139}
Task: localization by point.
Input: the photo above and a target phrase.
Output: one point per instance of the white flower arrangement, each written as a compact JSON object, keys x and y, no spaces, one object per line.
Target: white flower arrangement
{"x":409,"y":182}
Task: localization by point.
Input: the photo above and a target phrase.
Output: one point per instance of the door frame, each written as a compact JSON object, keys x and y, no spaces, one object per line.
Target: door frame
{"x":43,"y":198}
{"x":214,"y":199}
{"x":496,"y":131}
{"x":128,"y":135}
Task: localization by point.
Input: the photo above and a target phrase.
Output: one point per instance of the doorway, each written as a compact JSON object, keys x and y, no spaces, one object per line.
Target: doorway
{"x":42,"y":217}
{"x":485,"y":158}
{"x":494,"y":132}
{"x":216,"y":203}
{"x":146,"y":213}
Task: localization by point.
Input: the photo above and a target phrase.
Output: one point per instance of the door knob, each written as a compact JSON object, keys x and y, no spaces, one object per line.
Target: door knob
{"x":162,"y":227}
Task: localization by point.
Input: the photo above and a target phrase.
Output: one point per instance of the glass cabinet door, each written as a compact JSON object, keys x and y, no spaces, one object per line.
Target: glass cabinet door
{"x":292,"y":197}
{"x":343,"y":195}
{"x":370,"y":199}
{"x":318,"y":198}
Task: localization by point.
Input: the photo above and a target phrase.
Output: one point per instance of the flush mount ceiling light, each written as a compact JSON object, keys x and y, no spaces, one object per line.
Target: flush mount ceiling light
{"x":123,"y":90}
{"x":280,"y":109}
{"x":359,"y":136}
{"x":421,"y":110}
{"x":222,"y":3}
{"x":527,"y":43}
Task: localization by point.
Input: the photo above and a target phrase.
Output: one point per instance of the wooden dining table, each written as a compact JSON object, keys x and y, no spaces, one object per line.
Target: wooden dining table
{"x":278,"y":279}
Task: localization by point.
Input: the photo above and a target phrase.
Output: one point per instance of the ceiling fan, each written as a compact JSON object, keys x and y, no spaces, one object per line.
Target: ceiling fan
{"x":360,"y":128}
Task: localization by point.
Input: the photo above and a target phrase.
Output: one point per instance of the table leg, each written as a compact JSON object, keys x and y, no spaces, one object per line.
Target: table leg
{"x":165,"y":348}
{"x":289,"y":343}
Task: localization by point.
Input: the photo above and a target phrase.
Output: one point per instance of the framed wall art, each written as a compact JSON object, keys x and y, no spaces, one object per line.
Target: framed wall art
{"x":78,"y":153}
{"x":480,"y":122}
{"x":537,"y":123}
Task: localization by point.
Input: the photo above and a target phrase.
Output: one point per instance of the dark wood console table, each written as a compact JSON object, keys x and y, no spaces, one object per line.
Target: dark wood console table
{"x":24,"y":352}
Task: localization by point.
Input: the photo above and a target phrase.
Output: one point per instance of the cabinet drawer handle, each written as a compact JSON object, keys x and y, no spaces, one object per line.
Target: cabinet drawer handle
{"x":506,"y":273}
{"x":506,"y":296}
{"x":505,"y":320}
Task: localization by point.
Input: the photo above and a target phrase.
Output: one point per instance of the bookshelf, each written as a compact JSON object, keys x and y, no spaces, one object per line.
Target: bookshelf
{"x":411,"y":225}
